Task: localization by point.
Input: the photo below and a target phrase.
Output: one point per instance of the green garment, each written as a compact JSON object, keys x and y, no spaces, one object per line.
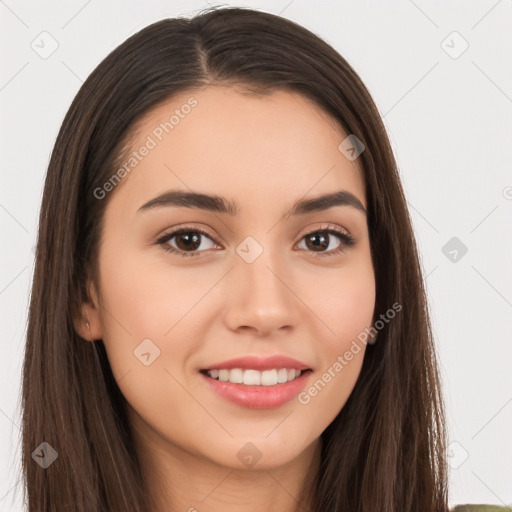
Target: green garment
{"x":481,"y":508}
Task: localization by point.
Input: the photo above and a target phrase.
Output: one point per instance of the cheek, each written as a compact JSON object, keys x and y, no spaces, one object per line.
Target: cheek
{"x":150,"y":315}
{"x":351,"y":312}
{"x":344,"y":302}
{"x":348,"y":311}
{"x":145,"y":297}
{"x":327,"y":393}
{"x":146,"y":317}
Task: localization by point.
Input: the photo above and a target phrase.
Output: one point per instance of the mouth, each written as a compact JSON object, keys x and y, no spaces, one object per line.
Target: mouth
{"x":256,"y":389}
{"x":253,"y":377}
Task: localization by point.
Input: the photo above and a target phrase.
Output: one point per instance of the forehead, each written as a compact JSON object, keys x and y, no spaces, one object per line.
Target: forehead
{"x":220,"y":140}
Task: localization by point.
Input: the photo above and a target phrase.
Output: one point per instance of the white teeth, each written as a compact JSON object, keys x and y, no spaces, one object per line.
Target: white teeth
{"x":224,"y":375}
{"x":252,"y":378}
{"x":282,"y":375}
{"x":269,"y":378}
{"x":255,"y":377}
{"x":236,"y":375}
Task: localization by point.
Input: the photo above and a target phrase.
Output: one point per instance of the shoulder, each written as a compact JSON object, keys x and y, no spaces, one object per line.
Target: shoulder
{"x":480,"y":508}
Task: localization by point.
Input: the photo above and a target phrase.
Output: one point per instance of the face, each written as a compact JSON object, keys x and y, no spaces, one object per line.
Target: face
{"x":257,"y":283}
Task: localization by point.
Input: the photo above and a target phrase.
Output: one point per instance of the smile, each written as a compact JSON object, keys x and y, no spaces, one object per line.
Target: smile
{"x":257,"y":389}
{"x":254,"y":377}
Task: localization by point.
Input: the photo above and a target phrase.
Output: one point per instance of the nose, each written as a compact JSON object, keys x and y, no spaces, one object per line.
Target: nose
{"x":261,"y":297}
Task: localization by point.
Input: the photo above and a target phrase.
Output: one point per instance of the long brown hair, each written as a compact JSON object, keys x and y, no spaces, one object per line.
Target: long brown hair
{"x":385,"y":451}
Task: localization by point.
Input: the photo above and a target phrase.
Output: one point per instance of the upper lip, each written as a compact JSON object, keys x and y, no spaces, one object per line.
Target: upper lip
{"x":259,"y":363}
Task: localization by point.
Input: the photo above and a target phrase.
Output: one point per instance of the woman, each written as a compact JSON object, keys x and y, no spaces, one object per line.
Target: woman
{"x":228,"y":311}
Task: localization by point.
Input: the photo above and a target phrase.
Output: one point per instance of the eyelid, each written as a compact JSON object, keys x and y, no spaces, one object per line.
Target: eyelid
{"x":324,"y":227}
{"x":175,"y":230}
{"x":346,"y":239}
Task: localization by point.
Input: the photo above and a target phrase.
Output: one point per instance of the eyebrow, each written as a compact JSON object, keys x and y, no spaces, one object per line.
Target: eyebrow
{"x":220,"y":204}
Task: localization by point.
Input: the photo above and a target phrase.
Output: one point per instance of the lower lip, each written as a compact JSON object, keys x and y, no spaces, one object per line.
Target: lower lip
{"x":258,"y":397}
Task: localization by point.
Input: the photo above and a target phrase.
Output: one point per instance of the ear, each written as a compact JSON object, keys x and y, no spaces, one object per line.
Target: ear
{"x":89,"y":326}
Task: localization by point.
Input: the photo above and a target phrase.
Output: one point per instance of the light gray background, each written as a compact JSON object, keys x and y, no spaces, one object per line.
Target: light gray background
{"x":450,"y":123}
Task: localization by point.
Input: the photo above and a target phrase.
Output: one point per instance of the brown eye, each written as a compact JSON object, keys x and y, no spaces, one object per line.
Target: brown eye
{"x":321,"y":240}
{"x":188,"y":241}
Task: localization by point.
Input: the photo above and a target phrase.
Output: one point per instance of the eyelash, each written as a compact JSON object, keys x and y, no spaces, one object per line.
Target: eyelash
{"x":347,"y":241}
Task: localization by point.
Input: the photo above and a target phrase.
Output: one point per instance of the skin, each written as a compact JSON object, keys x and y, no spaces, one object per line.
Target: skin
{"x":264,"y":152}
